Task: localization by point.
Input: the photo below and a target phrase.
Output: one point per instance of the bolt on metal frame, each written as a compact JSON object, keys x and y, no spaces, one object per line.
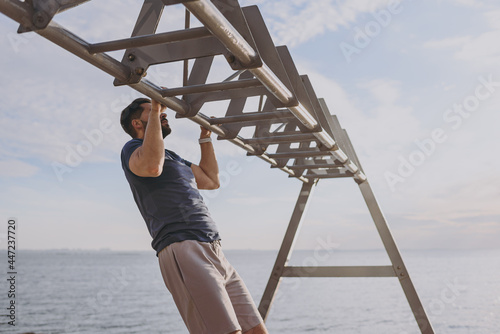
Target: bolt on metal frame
{"x":289,"y":114}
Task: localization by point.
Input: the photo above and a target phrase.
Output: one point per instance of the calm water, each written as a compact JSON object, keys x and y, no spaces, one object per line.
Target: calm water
{"x":122,"y":292}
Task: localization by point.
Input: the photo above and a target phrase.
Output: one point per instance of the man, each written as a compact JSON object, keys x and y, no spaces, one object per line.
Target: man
{"x":209,"y":294}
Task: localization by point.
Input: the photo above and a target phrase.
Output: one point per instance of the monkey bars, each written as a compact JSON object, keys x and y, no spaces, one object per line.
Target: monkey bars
{"x":293,"y":129}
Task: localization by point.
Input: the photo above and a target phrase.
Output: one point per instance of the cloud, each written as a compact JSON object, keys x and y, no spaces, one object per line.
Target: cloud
{"x":386,"y":92}
{"x":54,"y":217}
{"x":482,"y":49}
{"x":493,"y":18}
{"x":484,"y":219}
{"x":44,"y":122}
{"x":295,"y":22}
{"x":367,"y":110}
{"x":452,"y":42}
{"x":252,"y":200}
{"x":16,"y":168}
{"x":443,"y":193}
{"x":93,"y":22}
{"x":469,"y":3}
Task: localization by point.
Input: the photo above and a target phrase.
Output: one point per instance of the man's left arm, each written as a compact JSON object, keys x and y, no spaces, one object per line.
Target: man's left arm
{"x":206,"y":173}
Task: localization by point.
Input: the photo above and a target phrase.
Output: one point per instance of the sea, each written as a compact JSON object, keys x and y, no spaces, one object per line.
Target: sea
{"x":122,"y":292}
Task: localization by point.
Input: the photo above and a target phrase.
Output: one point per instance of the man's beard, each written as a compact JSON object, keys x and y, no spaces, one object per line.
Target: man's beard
{"x":165,"y":129}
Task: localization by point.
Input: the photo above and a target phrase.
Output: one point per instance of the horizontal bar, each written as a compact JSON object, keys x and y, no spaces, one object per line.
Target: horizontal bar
{"x":254,"y":116}
{"x":298,"y":154}
{"x":213,"y":87}
{"x":146,"y":40}
{"x":301,"y":137}
{"x":315,"y":166}
{"x":340,"y":271}
{"x":329,"y":175}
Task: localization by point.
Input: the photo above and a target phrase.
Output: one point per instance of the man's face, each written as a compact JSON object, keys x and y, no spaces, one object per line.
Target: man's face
{"x":165,"y":128}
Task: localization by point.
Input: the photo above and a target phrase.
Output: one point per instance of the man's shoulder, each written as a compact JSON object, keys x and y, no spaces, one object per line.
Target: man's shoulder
{"x":129,"y":148}
{"x":172,"y":153}
{"x":132,"y":144}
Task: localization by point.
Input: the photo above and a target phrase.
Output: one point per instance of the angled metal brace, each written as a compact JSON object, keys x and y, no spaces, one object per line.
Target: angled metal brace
{"x":304,"y":145}
{"x":263,"y":129}
{"x":268,"y":52}
{"x":286,"y":249}
{"x":283,"y":151}
{"x":235,"y":108}
{"x":297,"y":85}
{"x":322,"y":114}
{"x":198,"y":76}
{"x":396,"y":259}
{"x":146,"y":24}
{"x":233,"y":32}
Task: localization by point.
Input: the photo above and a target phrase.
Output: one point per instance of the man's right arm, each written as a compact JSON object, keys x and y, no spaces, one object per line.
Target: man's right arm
{"x":147,"y":160}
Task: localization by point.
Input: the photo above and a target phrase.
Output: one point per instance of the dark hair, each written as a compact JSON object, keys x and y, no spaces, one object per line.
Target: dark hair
{"x":132,"y":111}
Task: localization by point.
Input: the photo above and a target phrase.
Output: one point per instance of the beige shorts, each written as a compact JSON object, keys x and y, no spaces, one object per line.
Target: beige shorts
{"x":209,"y":293}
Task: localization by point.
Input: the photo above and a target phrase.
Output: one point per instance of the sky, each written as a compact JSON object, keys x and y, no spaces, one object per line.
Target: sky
{"x":416,"y":84}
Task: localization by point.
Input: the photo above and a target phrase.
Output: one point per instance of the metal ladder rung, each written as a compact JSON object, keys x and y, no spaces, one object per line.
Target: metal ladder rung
{"x":328,"y":175}
{"x":212,"y":87}
{"x":147,"y":40}
{"x":252,"y":117}
{"x":298,"y":154}
{"x":315,"y":166}
{"x":300,"y":137}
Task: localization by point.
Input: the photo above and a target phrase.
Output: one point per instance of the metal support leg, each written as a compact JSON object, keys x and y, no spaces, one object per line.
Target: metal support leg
{"x":396,"y":259}
{"x":286,"y":248}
